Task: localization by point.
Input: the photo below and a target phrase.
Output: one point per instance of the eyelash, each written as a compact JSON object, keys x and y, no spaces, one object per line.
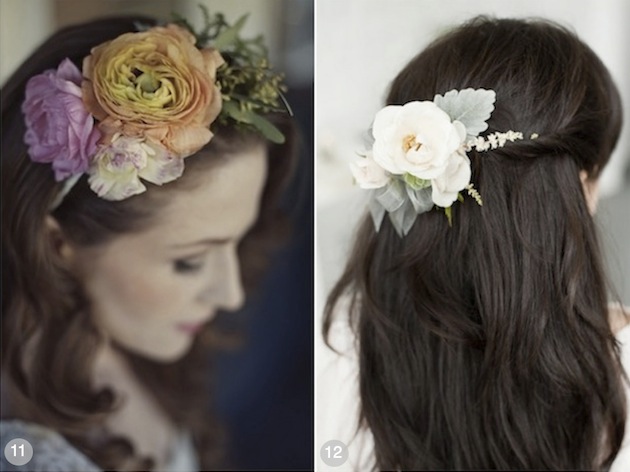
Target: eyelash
{"x":185,"y":266}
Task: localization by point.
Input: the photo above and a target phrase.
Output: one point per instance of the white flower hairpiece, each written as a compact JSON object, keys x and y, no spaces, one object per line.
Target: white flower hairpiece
{"x":419,"y":159}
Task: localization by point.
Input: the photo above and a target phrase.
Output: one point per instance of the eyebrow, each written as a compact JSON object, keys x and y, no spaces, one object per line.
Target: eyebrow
{"x":203,"y":242}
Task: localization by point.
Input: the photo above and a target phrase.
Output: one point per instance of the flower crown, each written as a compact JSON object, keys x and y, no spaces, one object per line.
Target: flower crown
{"x":419,"y":159}
{"x":146,"y":100}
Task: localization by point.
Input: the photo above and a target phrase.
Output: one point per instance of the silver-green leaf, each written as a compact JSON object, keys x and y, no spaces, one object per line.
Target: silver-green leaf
{"x":471,"y":107}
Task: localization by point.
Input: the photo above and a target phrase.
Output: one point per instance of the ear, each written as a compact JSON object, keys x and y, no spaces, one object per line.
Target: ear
{"x":58,"y":241}
{"x":591,"y":191}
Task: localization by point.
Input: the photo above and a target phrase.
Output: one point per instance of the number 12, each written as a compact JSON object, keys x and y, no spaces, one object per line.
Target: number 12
{"x":337,"y":454}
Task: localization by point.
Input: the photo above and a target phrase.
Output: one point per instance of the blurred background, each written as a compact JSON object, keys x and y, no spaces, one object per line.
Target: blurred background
{"x":363,"y":44}
{"x":264,"y":388}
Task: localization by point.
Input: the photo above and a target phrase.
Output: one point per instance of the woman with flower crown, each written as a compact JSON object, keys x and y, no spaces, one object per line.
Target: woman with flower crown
{"x":471,"y":321}
{"x":141,"y":167}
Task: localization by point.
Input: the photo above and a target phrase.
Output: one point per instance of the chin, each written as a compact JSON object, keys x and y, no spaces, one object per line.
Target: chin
{"x":164,"y":353}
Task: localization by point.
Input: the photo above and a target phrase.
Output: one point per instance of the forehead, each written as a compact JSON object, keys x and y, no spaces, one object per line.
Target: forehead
{"x":222,"y":204}
{"x":224,"y":201}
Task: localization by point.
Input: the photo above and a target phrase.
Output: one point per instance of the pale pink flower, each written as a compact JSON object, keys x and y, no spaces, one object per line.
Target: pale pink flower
{"x":59,"y":129}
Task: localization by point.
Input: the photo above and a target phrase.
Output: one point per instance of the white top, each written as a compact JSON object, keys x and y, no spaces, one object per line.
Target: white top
{"x":183,"y":456}
{"x":622,"y":461}
{"x":52,"y":453}
{"x":338,"y":402}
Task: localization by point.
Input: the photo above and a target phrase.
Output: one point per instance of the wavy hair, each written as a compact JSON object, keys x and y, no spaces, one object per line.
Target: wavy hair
{"x":487,"y":345}
{"x":49,"y":339}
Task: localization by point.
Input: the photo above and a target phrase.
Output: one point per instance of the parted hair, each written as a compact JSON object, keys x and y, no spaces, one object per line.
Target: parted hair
{"x":486,"y":344}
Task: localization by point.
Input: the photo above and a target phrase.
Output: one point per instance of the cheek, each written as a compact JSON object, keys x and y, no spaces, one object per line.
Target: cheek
{"x":137,"y":294}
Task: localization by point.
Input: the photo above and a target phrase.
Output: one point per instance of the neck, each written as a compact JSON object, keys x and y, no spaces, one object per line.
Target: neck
{"x":138,"y":418}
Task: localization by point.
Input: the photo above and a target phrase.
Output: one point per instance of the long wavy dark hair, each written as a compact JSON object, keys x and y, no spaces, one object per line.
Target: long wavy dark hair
{"x":45,"y":315}
{"x":487,"y":345}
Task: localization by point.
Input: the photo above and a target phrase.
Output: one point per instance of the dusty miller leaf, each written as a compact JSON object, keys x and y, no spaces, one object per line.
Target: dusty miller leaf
{"x":472,"y":107}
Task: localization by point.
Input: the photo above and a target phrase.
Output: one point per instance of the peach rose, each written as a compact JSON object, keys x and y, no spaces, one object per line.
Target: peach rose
{"x":154,"y":84}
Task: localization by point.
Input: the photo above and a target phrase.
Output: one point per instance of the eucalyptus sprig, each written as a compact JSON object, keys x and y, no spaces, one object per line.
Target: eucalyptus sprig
{"x":250,"y":88}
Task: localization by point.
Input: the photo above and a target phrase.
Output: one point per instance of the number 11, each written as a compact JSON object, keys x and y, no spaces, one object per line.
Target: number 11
{"x":15,"y":447}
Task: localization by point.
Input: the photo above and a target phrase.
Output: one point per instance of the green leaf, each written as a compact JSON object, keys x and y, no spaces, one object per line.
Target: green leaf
{"x":449,"y":216}
{"x":181,"y":21}
{"x":230,"y":35}
{"x":206,"y":19}
{"x":416,"y":183}
{"x":269,"y":130}
{"x":460,"y":197}
{"x":248,"y":117}
{"x":234,"y":111}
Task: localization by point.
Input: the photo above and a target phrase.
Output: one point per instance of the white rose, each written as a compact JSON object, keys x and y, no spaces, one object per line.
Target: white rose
{"x":446,"y":187}
{"x":368,"y":174}
{"x":418,"y":138}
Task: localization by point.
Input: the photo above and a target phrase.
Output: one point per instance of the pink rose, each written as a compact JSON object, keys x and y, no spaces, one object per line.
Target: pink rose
{"x":59,"y":129}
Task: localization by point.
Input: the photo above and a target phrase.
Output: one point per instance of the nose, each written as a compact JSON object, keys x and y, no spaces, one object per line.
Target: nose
{"x":228,"y":288}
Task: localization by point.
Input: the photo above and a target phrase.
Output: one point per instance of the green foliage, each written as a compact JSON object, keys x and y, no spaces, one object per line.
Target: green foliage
{"x":416,"y":183}
{"x":449,"y":215}
{"x":249,"y":87}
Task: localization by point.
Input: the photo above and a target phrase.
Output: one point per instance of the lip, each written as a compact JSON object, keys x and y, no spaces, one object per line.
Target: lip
{"x":190,"y":328}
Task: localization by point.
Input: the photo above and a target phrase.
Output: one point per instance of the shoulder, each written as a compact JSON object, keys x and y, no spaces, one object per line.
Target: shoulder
{"x":618,"y":316}
{"x":619,"y":322}
{"x":51,"y":451}
{"x":338,"y":398}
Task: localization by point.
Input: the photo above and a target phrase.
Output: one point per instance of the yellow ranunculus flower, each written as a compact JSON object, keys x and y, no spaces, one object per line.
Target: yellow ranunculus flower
{"x":155,"y":84}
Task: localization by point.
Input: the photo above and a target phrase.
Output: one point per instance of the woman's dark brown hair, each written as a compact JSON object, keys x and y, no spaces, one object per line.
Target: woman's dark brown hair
{"x":486,"y":345}
{"x":48,"y":337}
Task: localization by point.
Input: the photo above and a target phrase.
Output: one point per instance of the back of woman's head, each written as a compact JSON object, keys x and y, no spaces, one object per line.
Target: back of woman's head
{"x":486,"y":344}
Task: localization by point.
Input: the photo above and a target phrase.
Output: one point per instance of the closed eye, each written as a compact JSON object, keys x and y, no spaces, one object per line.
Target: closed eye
{"x":187,"y":266}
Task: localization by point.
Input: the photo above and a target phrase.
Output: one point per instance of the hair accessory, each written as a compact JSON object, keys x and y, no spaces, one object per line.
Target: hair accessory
{"x":146,"y":100}
{"x":418,"y":159}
